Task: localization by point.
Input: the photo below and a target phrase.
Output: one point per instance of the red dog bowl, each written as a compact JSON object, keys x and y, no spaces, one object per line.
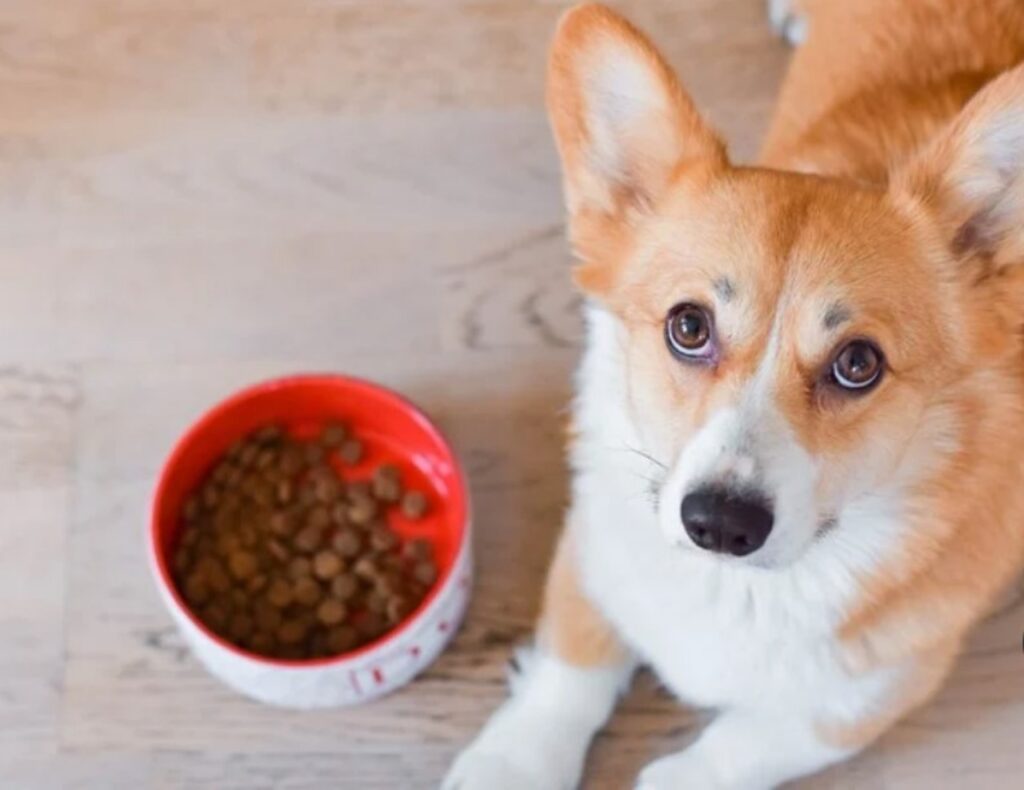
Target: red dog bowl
{"x":395,"y":431}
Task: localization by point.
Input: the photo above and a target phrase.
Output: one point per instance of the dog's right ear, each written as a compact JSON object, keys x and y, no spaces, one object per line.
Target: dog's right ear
{"x":971,"y":176}
{"x":623,"y":124}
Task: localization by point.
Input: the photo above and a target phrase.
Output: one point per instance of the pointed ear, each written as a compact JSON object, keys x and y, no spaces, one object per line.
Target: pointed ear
{"x":971,"y":177}
{"x":622,"y":122}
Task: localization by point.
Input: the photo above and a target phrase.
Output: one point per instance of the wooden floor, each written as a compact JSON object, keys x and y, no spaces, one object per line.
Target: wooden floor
{"x":195,"y":195}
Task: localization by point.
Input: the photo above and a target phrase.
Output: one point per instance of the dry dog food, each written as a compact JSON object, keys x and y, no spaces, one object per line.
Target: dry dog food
{"x":283,"y":556}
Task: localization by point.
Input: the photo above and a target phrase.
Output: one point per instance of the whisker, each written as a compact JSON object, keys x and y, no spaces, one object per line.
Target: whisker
{"x":645,"y":455}
{"x":650,"y":491}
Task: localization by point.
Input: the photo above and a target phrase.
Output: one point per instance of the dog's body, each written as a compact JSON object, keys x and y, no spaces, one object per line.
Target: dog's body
{"x":893,"y":506}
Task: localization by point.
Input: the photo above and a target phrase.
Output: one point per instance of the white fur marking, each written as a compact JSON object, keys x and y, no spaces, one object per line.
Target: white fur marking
{"x":539,"y":738}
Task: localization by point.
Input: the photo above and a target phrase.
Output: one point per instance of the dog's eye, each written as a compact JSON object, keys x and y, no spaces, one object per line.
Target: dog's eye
{"x":858,"y":366}
{"x":688,"y":331}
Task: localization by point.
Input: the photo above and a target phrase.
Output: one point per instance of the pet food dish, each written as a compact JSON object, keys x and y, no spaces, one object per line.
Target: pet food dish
{"x":311,"y":538}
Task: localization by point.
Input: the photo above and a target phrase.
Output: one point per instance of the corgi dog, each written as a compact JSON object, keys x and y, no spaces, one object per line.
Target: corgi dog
{"x":798,"y":439}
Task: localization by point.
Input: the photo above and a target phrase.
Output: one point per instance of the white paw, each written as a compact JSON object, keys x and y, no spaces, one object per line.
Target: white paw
{"x":788,"y":20}
{"x":521,"y":748}
{"x":476,"y":769}
{"x":681,"y":771}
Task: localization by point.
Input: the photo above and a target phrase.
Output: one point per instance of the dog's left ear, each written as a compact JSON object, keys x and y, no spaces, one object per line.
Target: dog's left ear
{"x":623,"y":124}
{"x":971,"y":177}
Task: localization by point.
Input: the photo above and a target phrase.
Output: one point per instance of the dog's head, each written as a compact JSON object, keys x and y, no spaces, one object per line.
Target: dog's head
{"x":794,"y":344}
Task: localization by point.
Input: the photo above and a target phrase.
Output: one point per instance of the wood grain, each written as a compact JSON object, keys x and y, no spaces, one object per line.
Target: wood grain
{"x":195,"y":194}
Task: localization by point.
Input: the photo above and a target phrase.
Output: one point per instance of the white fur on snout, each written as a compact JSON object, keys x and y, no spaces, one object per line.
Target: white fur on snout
{"x":701,"y":462}
{"x":749,"y":447}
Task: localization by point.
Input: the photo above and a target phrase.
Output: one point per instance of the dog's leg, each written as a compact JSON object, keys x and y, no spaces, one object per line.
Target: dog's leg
{"x":789,"y":20}
{"x":761,"y":748}
{"x":565,"y":690}
{"x":745,"y":750}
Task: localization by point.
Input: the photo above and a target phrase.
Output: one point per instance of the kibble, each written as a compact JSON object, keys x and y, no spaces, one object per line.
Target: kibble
{"x":256,"y":584}
{"x":362,"y":511}
{"x":327,"y":565}
{"x":278,"y":550}
{"x":347,"y":542}
{"x":247,"y":535}
{"x":261,"y":642}
{"x":215,"y":615}
{"x":239,"y":627}
{"x":418,"y":550}
{"x":318,"y":645}
{"x":414,"y":504}
{"x":359,"y":489}
{"x":243,"y":565}
{"x":331,"y":611}
{"x":383,"y":538}
{"x":285,"y":491}
{"x":291,"y":632}
{"x":387,"y":485}
{"x":342,"y":639}
{"x":306,"y":591}
{"x":307,"y":493}
{"x":197,"y":592}
{"x":216,"y":576}
{"x":313,"y":454}
{"x":366,"y":569}
{"x":248,"y":454}
{"x":344,"y":586}
{"x":326,"y":486}
{"x":334,"y":434}
{"x":351,"y":452}
{"x":339,"y":514}
{"x":284,"y":556}
{"x":309,"y":538}
{"x":371,"y":625}
{"x":210,"y":497}
{"x":425,"y":572}
{"x":319,"y":518}
{"x":189,"y":536}
{"x":268,"y":618}
{"x":377,"y":602}
{"x":282,"y":522}
{"x":180,"y":563}
{"x":299,"y":568}
{"x":192,"y":509}
{"x":228,"y":543}
{"x":279,"y":594}
{"x":397,"y":609}
{"x":269,"y":434}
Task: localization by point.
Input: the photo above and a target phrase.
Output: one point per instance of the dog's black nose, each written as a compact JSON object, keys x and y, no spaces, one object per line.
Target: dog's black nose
{"x":722,"y":521}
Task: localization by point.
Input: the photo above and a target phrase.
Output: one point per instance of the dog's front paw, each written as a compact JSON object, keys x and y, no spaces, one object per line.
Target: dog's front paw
{"x":789,"y":20}
{"x":681,"y":771}
{"x":521,"y":748}
{"x":475,"y":769}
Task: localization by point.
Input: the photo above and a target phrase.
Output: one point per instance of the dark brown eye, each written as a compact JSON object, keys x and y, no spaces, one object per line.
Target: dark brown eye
{"x":858,"y":366}
{"x":688,"y":332}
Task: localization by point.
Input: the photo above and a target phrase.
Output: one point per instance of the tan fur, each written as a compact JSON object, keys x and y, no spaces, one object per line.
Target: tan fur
{"x":570,"y":627}
{"x":877,"y":80}
{"x":877,"y":77}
